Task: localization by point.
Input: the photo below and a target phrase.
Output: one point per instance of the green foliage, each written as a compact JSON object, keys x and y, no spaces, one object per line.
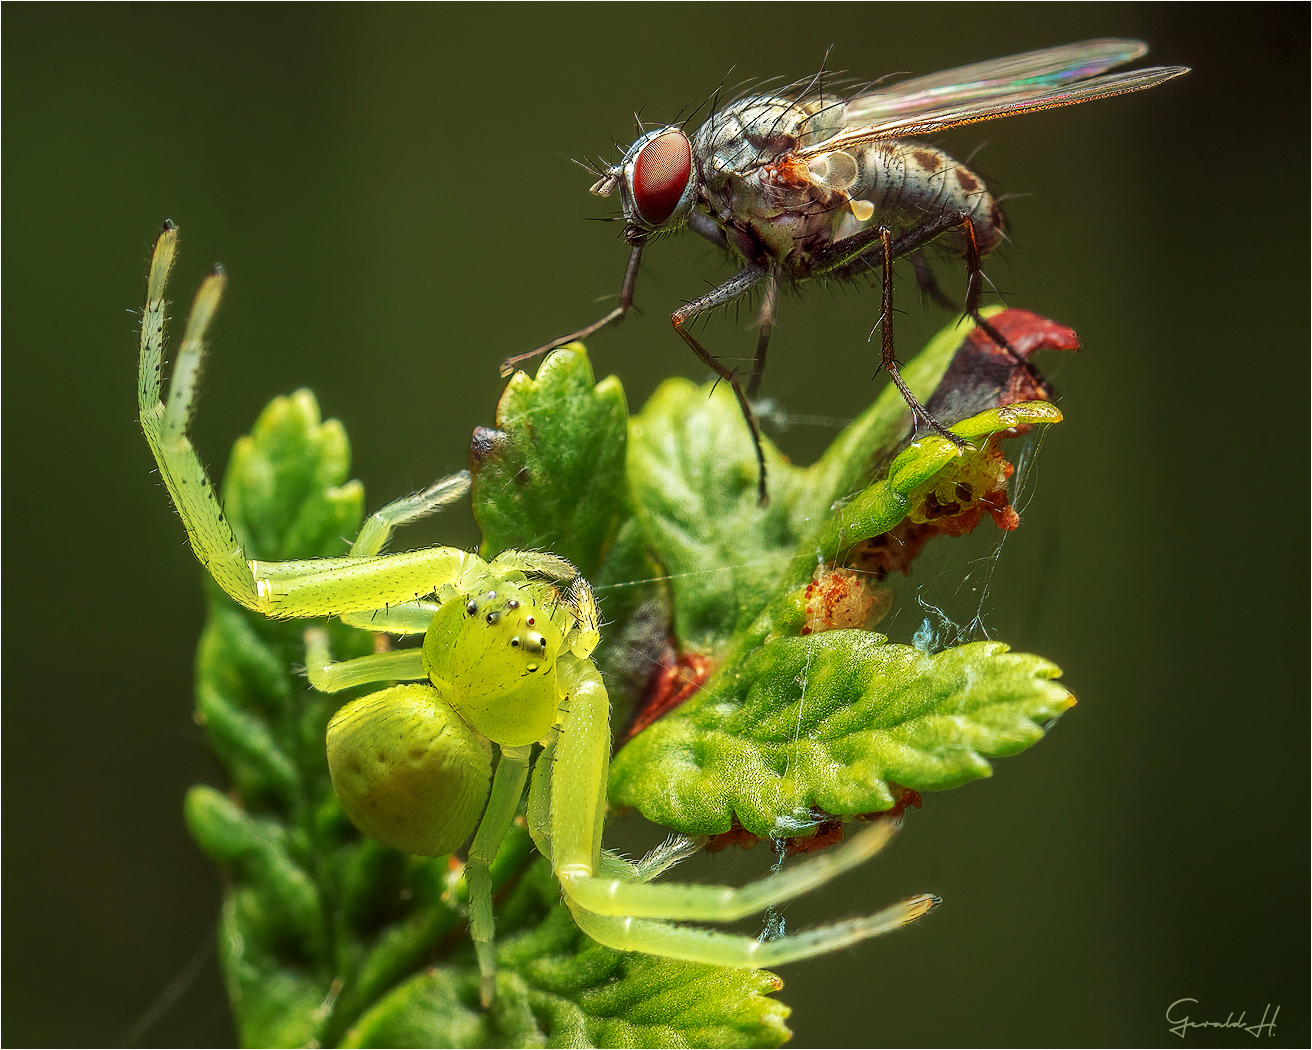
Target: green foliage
{"x":328,"y":938}
{"x":556,"y":987}
{"x":826,"y":722}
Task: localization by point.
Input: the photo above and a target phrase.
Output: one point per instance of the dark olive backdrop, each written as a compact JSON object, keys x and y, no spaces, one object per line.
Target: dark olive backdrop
{"x":390,"y":192}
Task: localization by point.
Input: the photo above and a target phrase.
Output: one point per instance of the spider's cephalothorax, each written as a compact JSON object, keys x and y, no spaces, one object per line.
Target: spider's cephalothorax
{"x":442,"y":750}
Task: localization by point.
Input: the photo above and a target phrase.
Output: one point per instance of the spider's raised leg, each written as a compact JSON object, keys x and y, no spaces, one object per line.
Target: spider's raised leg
{"x":378,"y":529}
{"x":287,"y":590}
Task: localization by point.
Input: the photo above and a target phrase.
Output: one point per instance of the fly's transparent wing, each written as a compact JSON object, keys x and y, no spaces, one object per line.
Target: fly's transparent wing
{"x":985,"y":99}
{"x":1031,"y":71}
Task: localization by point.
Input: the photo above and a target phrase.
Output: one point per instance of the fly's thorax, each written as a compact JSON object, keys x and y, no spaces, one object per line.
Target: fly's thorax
{"x":758,"y":130}
{"x":493,"y":655}
{"x":740,"y":150}
{"x":735,"y":150}
{"x":910,"y":183}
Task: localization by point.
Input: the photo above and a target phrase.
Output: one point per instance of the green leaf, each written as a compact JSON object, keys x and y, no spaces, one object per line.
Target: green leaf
{"x":551,"y":476}
{"x":719,"y":756}
{"x":693,"y":476}
{"x":829,"y":722}
{"x":286,"y":491}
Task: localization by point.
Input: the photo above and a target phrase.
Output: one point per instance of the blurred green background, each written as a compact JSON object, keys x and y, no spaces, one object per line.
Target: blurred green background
{"x":389,"y":190}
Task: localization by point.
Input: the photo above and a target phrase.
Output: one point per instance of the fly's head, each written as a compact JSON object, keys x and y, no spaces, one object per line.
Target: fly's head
{"x":657,"y":181}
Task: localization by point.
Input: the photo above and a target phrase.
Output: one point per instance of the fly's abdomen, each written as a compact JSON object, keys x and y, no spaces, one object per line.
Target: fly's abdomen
{"x":909,"y":183}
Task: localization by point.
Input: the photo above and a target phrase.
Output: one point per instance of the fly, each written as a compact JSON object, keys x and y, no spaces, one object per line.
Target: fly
{"x":805,"y":184}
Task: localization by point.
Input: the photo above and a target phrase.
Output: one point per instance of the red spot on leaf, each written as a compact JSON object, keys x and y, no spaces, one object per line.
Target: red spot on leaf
{"x":674,"y":680}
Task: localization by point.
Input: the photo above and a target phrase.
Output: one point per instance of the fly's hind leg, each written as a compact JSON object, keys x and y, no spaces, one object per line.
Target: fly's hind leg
{"x":739,"y":284}
{"x":928,"y":283}
{"x":764,"y":325}
{"x":877,"y":243}
{"x":888,"y":361}
{"x":974,"y":282}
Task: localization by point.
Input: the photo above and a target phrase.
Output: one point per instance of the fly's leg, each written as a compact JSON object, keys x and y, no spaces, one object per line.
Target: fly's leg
{"x":974,"y":275}
{"x":739,"y":284}
{"x":889,"y":361}
{"x":626,"y":301}
{"x":765,"y":325}
{"x":878,"y":243}
{"x":928,"y":283}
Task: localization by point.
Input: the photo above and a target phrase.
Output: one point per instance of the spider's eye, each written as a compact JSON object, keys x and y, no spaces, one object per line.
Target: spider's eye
{"x":532,"y":667}
{"x":512,"y":604}
{"x":514,"y":643}
{"x":660,"y":175}
{"x":472,"y":608}
{"x":530,"y":621}
{"x":493,"y":617}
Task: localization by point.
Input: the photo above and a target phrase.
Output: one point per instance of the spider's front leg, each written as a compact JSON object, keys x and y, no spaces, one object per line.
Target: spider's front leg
{"x":567,"y":805}
{"x":361,"y":581}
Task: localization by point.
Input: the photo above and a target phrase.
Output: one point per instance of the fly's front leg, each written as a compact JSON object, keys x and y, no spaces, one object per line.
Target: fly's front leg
{"x":626,"y":301}
{"x":889,"y":361}
{"x":765,"y":325}
{"x":739,"y":284}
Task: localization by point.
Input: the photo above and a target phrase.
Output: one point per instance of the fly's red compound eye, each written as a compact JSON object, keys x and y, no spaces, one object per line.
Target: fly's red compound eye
{"x":660,"y":175}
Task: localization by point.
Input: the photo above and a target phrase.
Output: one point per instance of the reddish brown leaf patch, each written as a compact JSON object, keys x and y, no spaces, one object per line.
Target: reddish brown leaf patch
{"x":671,"y":682}
{"x":983,"y":375}
{"x":840,"y":598}
{"x":828,"y":828}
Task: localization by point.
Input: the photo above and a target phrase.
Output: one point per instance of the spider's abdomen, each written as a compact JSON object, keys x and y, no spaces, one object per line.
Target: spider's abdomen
{"x":408,"y":771}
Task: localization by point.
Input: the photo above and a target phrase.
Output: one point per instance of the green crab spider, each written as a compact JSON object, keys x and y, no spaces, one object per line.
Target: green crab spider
{"x":445,"y":752}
